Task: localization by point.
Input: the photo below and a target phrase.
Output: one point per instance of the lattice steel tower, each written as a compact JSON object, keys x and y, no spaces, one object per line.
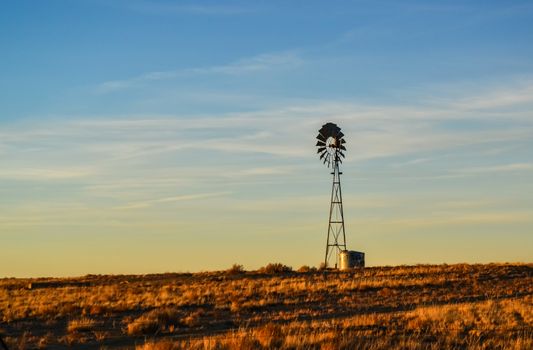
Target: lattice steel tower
{"x":330,"y":146}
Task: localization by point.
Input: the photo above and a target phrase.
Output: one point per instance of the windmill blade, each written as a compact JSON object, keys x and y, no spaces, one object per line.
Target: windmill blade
{"x":320,"y":143}
{"x":342,"y":147}
{"x":331,"y":128}
{"x":342,"y":154}
{"x":340,"y":134}
{"x":325,"y":134}
{"x":320,"y":149}
{"x":321,"y":137}
{"x":326,"y":126}
{"x":323,"y":154}
{"x":343,"y":141}
{"x":327,"y":129}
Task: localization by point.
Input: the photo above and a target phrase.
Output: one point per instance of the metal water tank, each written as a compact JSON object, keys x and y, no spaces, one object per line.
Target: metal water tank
{"x":350,"y":259}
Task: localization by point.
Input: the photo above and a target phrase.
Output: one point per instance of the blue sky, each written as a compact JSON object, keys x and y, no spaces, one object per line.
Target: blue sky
{"x":153,"y":136}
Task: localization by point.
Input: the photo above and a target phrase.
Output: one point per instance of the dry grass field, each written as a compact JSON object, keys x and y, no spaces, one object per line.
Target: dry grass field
{"x":406,"y":307}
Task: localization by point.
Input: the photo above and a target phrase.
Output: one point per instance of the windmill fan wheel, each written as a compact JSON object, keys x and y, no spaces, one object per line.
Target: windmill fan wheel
{"x":330,"y":144}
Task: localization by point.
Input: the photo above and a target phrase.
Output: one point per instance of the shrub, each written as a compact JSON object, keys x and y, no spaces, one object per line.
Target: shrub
{"x":235,"y":269}
{"x":273,"y":268}
{"x":155,"y":321}
{"x":306,"y":268}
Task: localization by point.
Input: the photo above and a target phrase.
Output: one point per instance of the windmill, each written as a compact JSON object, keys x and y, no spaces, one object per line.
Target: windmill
{"x":331,"y":145}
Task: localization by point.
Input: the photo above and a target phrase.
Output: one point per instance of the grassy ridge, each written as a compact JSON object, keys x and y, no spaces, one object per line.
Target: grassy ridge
{"x":412,"y":307}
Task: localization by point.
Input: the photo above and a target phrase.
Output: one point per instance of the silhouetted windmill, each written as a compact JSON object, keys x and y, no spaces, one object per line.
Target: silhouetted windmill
{"x":331,"y":145}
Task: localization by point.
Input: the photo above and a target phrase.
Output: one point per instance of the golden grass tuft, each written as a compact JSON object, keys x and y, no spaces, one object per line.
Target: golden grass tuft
{"x":83,"y":324}
{"x":155,"y":321}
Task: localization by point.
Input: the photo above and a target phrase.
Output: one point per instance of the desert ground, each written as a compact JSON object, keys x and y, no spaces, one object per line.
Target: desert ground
{"x":458,"y":306}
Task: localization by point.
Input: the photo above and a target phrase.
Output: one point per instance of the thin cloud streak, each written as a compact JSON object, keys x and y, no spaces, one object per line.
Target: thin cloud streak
{"x":244,"y":66}
{"x":151,"y":202}
{"x":468,"y":219}
{"x":265,"y":171}
{"x":498,"y":168}
{"x":504,"y":97}
{"x":45,"y":174}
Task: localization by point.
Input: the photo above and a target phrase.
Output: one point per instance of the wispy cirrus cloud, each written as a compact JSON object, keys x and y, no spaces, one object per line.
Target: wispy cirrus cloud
{"x":249,"y":65}
{"x":498,"y":168}
{"x":499,"y":217}
{"x":265,"y":171}
{"x":45,"y":173}
{"x":521,"y":94}
{"x":189,"y":197}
